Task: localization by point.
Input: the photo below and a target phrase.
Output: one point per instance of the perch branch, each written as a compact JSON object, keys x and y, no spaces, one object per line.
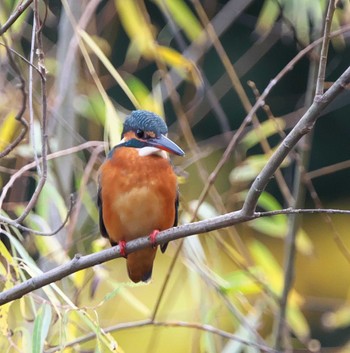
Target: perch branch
{"x":80,"y":262}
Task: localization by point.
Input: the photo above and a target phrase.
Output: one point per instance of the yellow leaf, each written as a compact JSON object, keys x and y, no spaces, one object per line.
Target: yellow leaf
{"x":7,"y":130}
{"x":136,"y":26}
{"x":7,"y":265}
{"x":267,"y":17}
{"x":181,"y":63}
{"x":141,"y":34}
{"x":265,"y":130}
{"x":144,"y":96}
{"x":273,"y":275}
{"x":183,"y":16}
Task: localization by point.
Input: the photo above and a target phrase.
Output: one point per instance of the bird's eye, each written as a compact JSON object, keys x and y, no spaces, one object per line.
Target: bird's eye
{"x":140,"y":134}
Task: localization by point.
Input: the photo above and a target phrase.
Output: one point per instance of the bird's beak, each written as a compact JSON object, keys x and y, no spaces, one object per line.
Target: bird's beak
{"x":163,"y":143}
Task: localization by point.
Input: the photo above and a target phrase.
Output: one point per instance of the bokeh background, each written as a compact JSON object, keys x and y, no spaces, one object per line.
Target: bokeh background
{"x":201,"y":65}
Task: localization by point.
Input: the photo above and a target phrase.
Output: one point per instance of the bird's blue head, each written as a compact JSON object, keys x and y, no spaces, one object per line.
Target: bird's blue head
{"x":146,"y":129}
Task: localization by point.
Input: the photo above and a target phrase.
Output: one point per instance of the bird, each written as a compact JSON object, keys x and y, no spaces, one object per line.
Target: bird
{"x":138,"y":190}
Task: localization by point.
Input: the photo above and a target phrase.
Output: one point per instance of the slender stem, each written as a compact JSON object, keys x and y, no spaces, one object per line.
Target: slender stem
{"x":27,"y":167}
{"x":30,"y":99}
{"x":294,"y":220}
{"x":179,"y":324}
{"x":44,"y":137}
{"x":324,"y":50}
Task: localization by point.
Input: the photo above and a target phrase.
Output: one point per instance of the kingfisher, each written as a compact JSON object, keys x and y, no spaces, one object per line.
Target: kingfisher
{"x":138,"y":191}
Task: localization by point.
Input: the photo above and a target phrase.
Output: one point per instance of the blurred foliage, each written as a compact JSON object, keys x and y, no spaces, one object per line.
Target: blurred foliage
{"x":156,"y":55}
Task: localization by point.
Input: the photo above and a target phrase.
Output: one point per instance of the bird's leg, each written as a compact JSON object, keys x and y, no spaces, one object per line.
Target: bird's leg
{"x":122,"y":247}
{"x":153,"y":238}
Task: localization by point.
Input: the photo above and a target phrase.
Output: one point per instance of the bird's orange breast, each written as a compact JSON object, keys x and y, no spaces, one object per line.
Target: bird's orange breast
{"x":138,"y":194}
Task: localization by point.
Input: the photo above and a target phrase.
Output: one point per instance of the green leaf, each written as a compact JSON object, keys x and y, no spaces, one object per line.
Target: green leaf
{"x":267,"y":17}
{"x":240,"y":281}
{"x":273,"y":278}
{"x":297,"y":321}
{"x":41,"y":328}
{"x":268,"y":265}
{"x":337,"y":319}
{"x":136,"y":26}
{"x":249,"y":169}
{"x":91,"y":106}
{"x":265,"y":130}
{"x":144,"y":96}
{"x":305,"y":16}
{"x":183,"y":17}
{"x":277,"y":226}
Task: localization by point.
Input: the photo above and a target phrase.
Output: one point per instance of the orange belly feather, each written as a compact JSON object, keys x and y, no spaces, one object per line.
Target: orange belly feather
{"x":138,"y":196}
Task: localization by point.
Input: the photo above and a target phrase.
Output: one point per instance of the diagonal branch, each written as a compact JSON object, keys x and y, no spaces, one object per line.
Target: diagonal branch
{"x":304,"y":126}
{"x":80,"y":262}
{"x":12,"y":19}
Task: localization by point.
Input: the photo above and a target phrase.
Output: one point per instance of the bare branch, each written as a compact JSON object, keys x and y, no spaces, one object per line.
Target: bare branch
{"x":26,"y":168}
{"x":22,"y":58}
{"x":260,"y":103}
{"x":80,"y":262}
{"x":46,"y":234}
{"x":149,"y":322}
{"x":304,"y":126}
{"x":12,"y":19}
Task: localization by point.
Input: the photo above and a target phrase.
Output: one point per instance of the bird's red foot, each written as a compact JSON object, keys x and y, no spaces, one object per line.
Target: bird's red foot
{"x":122,"y":247}
{"x":153,"y":238}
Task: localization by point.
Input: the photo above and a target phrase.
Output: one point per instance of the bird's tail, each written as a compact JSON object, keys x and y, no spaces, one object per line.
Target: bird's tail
{"x":140,"y":264}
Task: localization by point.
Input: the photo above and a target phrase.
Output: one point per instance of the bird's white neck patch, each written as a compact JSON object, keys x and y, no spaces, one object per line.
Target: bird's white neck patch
{"x":146,"y":151}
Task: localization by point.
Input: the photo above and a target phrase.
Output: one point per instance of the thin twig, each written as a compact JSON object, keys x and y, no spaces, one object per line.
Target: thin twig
{"x":30,"y":100}
{"x":22,"y":58}
{"x":178,"y":324}
{"x":329,"y":169}
{"x":48,"y":234}
{"x":24,"y":169}
{"x":19,"y":117}
{"x":82,"y":189}
{"x":328,"y":220}
{"x":44,"y":137}
{"x":225,"y":60}
{"x":324,"y":50}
